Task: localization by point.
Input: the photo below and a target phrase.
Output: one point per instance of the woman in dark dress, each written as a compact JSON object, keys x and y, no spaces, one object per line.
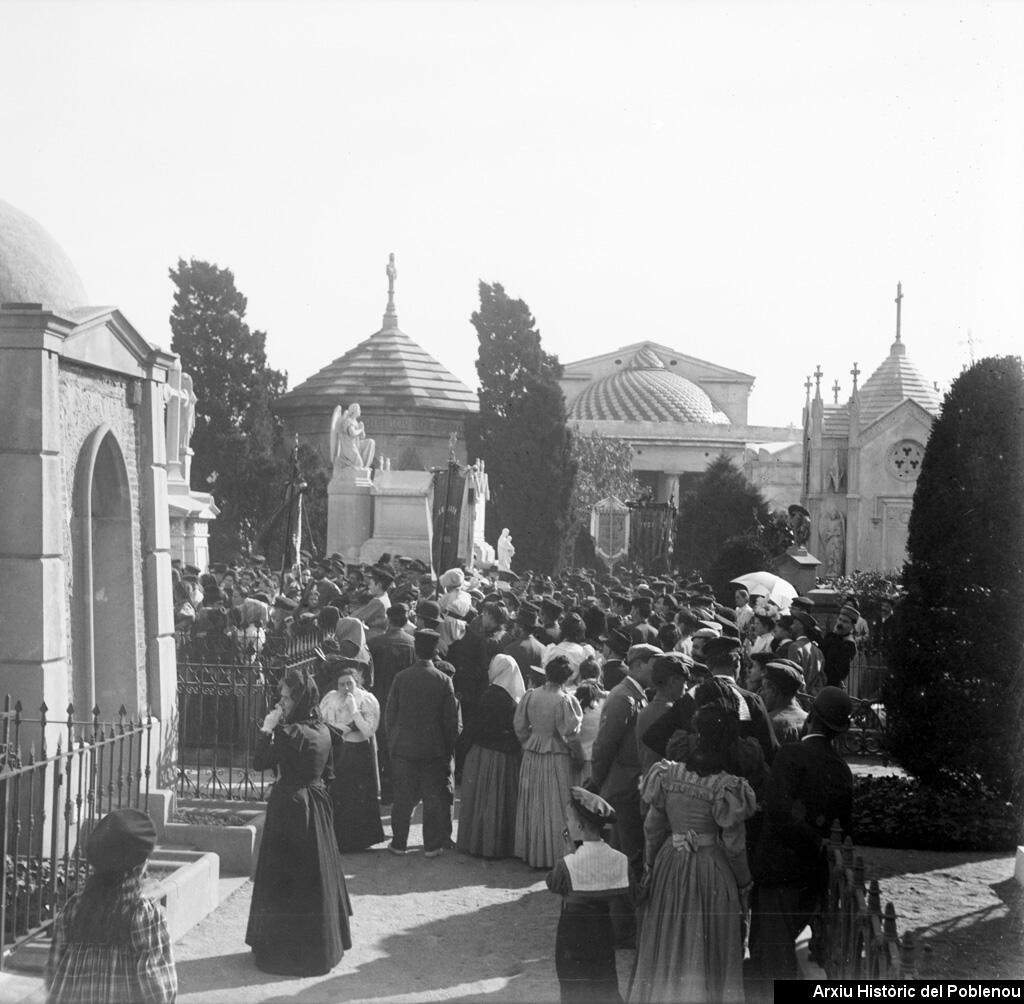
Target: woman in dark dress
{"x":353,"y":714}
{"x":298,"y":921}
{"x":490,"y":777}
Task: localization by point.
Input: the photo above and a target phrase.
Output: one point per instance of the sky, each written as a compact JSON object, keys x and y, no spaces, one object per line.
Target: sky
{"x":742,"y":182}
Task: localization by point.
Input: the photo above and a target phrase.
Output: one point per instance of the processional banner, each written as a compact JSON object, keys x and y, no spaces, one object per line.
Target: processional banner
{"x":446,"y":513}
{"x":609,"y":526}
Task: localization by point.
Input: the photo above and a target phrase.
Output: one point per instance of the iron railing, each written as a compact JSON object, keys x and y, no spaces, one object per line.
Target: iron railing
{"x":49,"y":802}
{"x":222,"y":698}
{"x":859,"y":939}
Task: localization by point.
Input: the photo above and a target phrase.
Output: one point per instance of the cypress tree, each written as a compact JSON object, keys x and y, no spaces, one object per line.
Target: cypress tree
{"x":521,"y":430}
{"x":953,"y":697}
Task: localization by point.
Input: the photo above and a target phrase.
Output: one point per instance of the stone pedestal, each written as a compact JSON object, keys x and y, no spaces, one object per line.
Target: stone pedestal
{"x":401,"y":516}
{"x":349,"y":512}
{"x":799,"y":568}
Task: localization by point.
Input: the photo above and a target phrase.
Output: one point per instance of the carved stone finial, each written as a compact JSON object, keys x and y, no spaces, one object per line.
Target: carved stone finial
{"x":855,"y":372}
{"x":392,"y":274}
{"x":899,"y":305}
{"x":807,"y":387}
{"x":835,"y":392}
{"x":818,"y":374}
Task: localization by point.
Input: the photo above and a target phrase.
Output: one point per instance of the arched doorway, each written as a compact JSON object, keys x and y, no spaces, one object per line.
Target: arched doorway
{"x":104,"y":596}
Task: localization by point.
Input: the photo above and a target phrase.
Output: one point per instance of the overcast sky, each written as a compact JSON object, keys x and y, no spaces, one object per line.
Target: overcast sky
{"x":743,"y":182}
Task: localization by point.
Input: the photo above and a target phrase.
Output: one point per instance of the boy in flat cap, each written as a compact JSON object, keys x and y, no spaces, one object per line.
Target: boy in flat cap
{"x":593,"y":880}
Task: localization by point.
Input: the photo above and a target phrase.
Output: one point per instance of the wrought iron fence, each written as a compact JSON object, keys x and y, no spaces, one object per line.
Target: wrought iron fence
{"x":859,"y":939}
{"x":224,"y":691}
{"x":868,"y":673}
{"x":50,"y":800}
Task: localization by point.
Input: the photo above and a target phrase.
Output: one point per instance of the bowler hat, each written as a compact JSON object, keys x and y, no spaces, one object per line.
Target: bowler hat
{"x":832,"y":706}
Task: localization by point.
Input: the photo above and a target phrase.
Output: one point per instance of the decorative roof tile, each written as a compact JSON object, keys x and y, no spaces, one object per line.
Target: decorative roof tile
{"x":892,"y":383}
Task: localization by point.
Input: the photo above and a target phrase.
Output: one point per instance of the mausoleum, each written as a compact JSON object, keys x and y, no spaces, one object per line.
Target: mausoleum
{"x":85,"y":543}
{"x":679,"y":413}
{"x":861,"y":462}
{"x":410,"y":403}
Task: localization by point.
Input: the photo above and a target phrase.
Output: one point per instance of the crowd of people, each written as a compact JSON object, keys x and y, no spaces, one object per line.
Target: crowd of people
{"x":666,"y":758}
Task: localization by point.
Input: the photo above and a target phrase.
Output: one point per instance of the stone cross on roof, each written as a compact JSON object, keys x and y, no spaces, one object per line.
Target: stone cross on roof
{"x":855,"y":372}
{"x":807,"y":387}
{"x":392,"y":274}
{"x":835,"y":392}
{"x":899,"y":305}
{"x":818,"y":374}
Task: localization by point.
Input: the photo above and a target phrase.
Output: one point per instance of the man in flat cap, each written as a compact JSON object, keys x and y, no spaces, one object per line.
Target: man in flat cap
{"x":422,"y":721}
{"x":391,"y":652}
{"x":783,"y":680}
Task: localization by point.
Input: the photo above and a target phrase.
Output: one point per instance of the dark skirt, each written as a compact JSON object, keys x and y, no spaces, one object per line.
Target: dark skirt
{"x":487,"y":803}
{"x":585,"y":953}
{"x":298,"y":920}
{"x":357,"y":822}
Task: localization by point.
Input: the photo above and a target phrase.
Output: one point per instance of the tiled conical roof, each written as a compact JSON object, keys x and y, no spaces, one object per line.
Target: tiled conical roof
{"x":645,"y":390}
{"x":893,"y":382}
{"x":386,"y":372}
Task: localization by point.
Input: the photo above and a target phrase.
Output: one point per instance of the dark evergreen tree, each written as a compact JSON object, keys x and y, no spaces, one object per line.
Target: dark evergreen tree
{"x":238,"y":453}
{"x":724,"y":504}
{"x":953,"y":696}
{"x":521,"y":430}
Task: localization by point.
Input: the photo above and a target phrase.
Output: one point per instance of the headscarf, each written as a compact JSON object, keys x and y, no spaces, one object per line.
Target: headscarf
{"x":351,"y":629}
{"x":504,"y":672}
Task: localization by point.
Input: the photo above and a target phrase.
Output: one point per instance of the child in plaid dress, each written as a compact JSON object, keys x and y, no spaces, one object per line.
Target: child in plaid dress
{"x":110,"y":943}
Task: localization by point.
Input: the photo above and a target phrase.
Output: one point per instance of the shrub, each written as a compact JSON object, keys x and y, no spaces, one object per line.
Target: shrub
{"x":902,"y":812}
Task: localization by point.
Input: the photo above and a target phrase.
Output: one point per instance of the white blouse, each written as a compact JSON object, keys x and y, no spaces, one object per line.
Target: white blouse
{"x":361,"y":725}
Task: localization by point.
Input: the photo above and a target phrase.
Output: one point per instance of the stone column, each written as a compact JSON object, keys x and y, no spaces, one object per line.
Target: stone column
{"x":33,"y":600}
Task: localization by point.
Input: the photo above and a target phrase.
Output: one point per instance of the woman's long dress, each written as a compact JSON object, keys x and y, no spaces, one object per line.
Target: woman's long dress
{"x":490,"y":779}
{"x":689,"y":944}
{"x":298,"y":920}
{"x":355,"y":790}
{"x":547,"y":723}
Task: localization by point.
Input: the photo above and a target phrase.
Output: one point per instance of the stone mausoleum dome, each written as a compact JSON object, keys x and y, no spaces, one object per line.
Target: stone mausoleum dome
{"x":646,"y":390}
{"x":34,"y":267}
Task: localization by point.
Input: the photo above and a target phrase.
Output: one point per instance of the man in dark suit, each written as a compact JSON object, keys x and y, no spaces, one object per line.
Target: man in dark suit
{"x":422,"y":720}
{"x":616,"y":758}
{"x":808,"y":788}
{"x":391,"y":652}
{"x":524,"y":647}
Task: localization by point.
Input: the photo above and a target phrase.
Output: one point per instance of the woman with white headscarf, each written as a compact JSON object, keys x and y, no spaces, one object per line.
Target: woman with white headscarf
{"x":490,"y":776}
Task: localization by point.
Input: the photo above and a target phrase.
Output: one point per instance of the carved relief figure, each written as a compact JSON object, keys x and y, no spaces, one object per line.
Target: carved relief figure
{"x":505,"y":551}
{"x":833,"y":540}
{"x":349,"y":444}
{"x":836,"y":474}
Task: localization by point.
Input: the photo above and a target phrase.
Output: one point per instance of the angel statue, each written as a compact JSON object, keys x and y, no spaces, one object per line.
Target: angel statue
{"x":349,"y":445}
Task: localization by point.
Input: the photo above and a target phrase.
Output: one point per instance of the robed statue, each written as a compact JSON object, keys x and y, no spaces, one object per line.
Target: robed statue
{"x":350,"y":446}
{"x":506,"y":551}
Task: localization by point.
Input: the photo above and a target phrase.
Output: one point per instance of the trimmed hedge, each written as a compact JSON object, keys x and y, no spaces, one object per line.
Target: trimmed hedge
{"x":901,"y":812}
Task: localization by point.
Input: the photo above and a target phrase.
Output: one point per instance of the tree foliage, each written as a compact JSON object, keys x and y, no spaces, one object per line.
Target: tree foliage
{"x":237,"y":445}
{"x":521,"y":429}
{"x":953,"y":698}
{"x":603,"y":467}
{"x":723,"y":505}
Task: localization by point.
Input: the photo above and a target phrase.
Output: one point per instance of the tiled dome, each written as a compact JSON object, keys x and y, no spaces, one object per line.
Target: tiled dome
{"x":894,"y":381}
{"x":646,"y":390}
{"x":33,"y":266}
